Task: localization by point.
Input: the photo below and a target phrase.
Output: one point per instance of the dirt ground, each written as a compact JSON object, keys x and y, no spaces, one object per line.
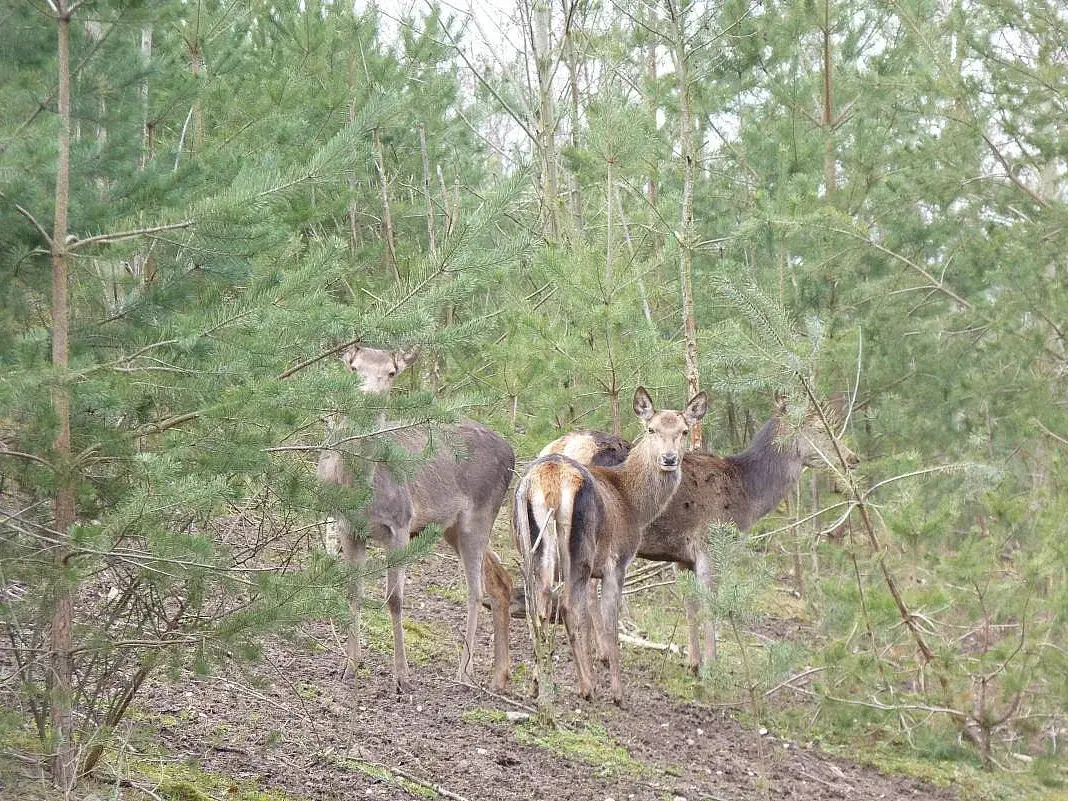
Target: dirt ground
{"x":291,"y":724}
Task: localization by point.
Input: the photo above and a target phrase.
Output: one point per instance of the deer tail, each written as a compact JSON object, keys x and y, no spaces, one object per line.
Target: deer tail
{"x":535,"y":528}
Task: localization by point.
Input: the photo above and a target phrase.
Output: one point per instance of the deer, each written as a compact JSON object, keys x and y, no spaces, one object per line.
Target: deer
{"x":461,"y":488}
{"x":739,"y":489}
{"x":576,"y":522}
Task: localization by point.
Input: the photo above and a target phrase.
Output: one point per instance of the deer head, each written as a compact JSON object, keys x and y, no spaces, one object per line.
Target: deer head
{"x":665,"y":432}
{"x":814,"y":443}
{"x":377,"y":368}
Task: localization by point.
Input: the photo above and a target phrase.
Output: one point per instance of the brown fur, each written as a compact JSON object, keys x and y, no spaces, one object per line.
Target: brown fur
{"x":578,"y":523}
{"x":460,"y":487}
{"x":737,"y":489}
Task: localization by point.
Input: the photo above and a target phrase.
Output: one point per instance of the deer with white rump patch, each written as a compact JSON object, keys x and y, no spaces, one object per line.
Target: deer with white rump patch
{"x":460,"y":487}
{"x":738,"y":489}
{"x":574,"y":523}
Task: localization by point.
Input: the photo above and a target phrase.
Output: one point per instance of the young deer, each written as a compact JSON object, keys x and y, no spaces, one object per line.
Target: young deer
{"x":737,"y":489}
{"x":461,"y":488}
{"x":576,"y":523}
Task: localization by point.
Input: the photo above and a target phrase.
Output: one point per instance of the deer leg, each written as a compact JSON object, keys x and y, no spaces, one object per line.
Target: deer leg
{"x":463,"y":538}
{"x":577,"y":622}
{"x":600,"y":641}
{"x":611,"y":597}
{"x":397,"y":540}
{"x":693,"y":655}
{"x":355,"y":550}
{"x":498,"y":585}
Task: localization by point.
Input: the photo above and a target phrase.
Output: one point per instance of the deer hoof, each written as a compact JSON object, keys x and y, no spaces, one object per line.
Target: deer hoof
{"x":403,"y":685}
{"x":465,"y":677}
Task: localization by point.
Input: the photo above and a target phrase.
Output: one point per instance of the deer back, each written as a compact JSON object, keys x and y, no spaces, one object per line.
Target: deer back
{"x":590,"y":447}
{"x":469,"y":472}
{"x":711,"y":491}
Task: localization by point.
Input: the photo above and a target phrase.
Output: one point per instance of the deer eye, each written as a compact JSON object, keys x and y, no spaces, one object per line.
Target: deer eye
{"x":392,"y":373}
{"x":650,"y":430}
{"x":685,"y":431}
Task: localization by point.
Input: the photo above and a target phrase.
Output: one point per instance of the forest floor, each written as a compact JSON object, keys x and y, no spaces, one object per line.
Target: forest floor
{"x":290,"y":727}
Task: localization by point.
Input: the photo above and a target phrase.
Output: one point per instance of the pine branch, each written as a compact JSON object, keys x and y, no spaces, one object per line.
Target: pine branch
{"x":4,"y":451}
{"x":309,"y":362}
{"x":516,"y":117}
{"x":37,"y":225}
{"x":107,"y":239}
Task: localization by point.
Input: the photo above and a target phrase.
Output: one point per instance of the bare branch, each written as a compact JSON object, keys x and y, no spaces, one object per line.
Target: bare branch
{"x":107,"y":239}
{"x":37,"y":225}
{"x":1057,"y":437}
{"x":309,"y":362}
{"x":935,"y":283}
{"x":28,"y":456}
{"x":1010,"y":173}
{"x":354,"y":438}
{"x":516,"y":117}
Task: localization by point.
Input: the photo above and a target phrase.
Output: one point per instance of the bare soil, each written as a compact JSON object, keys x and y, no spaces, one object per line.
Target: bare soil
{"x":290,"y":724}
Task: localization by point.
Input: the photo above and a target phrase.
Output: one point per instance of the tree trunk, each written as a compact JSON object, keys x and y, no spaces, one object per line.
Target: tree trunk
{"x":609,"y":255}
{"x":578,"y":221}
{"x":646,"y":311}
{"x":686,"y":242}
{"x":63,"y":766}
{"x":540,"y":21}
{"x":653,"y":102}
{"x":387,"y":217}
{"x":431,"y":236}
{"x":144,"y":261}
{"x":830,"y":167}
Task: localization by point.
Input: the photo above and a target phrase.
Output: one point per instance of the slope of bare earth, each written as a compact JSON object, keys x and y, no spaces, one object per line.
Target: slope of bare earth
{"x":289,"y":724}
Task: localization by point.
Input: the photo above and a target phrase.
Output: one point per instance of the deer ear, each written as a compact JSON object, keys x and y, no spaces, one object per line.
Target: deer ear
{"x":696,"y":409}
{"x":643,"y":404}
{"x":838,"y":404}
{"x":780,"y":401}
{"x":405,"y":358}
{"x":349,"y":354}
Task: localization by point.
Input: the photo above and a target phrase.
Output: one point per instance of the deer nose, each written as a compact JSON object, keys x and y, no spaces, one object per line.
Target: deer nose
{"x":670,"y":460}
{"x":852,"y":459}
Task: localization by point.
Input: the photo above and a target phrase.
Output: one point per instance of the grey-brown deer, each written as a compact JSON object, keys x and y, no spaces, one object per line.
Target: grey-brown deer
{"x":738,"y":489}
{"x":575,"y":523}
{"x":460,"y":487}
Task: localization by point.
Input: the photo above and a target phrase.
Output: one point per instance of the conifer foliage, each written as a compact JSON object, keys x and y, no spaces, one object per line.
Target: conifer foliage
{"x":201,"y":203}
{"x":188,"y":235}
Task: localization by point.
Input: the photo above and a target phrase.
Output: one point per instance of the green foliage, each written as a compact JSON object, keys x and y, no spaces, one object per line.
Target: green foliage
{"x":197,"y":403}
{"x":902,"y":236}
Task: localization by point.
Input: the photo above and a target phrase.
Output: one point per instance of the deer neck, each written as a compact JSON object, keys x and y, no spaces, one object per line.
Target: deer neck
{"x":768,"y":471}
{"x":649,"y":488}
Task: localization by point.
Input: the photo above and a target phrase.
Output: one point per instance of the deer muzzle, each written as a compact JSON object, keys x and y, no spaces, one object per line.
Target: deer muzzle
{"x":669,"y":462}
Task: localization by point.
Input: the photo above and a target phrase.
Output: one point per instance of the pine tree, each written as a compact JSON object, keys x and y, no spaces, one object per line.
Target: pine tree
{"x":157,"y":462}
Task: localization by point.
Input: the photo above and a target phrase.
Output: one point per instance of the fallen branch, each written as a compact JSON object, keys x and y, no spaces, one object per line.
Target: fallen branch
{"x":641,"y":642}
{"x":497,"y":696}
{"x":790,"y":681}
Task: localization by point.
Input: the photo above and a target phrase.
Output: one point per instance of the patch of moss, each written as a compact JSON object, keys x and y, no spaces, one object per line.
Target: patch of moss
{"x":447,"y":592}
{"x":187,"y":782}
{"x":384,"y":774}
{"x":424,"y":644}
{"x":934,"y":755}
{"x":584,"y":742}
{"x":484,"y":717}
